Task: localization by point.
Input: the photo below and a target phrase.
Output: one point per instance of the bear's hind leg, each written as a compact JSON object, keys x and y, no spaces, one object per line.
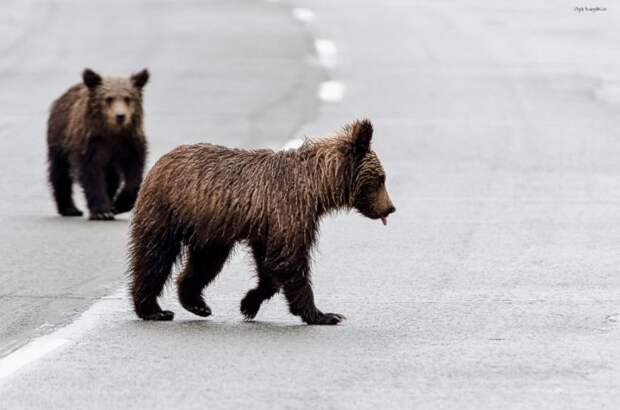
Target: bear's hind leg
{"x":151,"y":260}
{"x":203,"y":265}
{"x":60,"y":179}
{"x":266,"y":288}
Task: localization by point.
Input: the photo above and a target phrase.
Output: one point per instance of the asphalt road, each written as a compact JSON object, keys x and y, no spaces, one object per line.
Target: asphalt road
{"x":495,"y":284}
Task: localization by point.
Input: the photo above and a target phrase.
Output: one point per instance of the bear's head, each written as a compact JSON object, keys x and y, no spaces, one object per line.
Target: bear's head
{"x":368,"y":193}
{"x":118,"y":100}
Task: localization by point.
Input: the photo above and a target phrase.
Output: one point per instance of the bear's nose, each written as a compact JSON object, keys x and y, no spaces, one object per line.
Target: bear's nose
{"x":390,"y":210}
{"x":120,"y":118}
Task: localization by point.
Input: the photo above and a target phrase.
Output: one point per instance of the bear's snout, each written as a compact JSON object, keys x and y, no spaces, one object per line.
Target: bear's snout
{"x":120,"y":118}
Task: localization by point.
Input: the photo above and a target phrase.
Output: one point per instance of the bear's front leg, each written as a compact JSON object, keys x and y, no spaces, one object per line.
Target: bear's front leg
{"x":126,"y":199}
{"x":133,"y":168}
{"x":92,"y":179}
{"x":252,"y":301}
{"x":266,"y":288}
{"x":300,"y":297}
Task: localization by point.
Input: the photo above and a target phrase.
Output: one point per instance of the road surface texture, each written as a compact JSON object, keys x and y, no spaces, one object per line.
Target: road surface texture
{"x":494,"y":284}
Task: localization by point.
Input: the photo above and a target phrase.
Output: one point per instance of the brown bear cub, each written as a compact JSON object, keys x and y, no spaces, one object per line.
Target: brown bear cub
{"x":95,"y":134}
{"x":204,"y":198}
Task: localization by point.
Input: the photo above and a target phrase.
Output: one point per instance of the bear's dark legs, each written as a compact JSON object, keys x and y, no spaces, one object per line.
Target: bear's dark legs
{"x":132,"y":171}
{"x":203,"y":265}
{"x":294,"y":275}
{"x":112,"y":181}
{"x":125,"y":200}
{"x":60,"y":179}
{"x":93,"y":182}
{"x":252,"y":301}
{"x":266,"y":287}
{"x":152,"y":257}
{"x":298,"y":292}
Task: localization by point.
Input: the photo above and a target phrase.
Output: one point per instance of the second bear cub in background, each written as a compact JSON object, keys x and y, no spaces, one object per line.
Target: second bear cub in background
{"x":96,"y":135}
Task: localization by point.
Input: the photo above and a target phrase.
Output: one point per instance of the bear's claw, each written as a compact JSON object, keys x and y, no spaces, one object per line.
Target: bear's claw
{"x":102,"y":216}
{"x":203,"y":311}
{"x":73,"y":211}
{"x":159,"y":315}
{"x":195,"y":305}
{"x":326,"y":319}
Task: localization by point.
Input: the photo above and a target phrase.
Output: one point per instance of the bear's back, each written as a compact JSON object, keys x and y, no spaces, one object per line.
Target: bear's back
{"x":61,"y":113}
{"x":203,"y":182}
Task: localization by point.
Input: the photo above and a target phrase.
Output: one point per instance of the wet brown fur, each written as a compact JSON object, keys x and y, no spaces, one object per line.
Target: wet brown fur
{"x":205,"y":198}
{"x":96,"y":136}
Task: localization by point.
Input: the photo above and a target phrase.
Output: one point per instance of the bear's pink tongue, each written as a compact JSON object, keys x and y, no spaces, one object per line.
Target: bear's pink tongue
{"x":384,"y":220}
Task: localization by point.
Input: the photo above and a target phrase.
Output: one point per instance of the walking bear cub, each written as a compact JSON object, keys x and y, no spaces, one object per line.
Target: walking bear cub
{"x":96,"y":135}
{"x":204,"y":198}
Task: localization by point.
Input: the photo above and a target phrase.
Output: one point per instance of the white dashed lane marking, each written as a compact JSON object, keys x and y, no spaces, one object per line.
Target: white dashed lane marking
{"x":327,"y":52}
{"x":293,"y":144}
{"x":305,"y":15}
{"x":331,"y":91}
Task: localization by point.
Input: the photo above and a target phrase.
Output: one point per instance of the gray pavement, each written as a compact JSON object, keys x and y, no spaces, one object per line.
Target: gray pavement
{"x":494,"y":284}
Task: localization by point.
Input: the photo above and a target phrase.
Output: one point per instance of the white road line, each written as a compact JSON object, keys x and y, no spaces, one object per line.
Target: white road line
{"x":28,"y":354}
{"x":305,"y":15}
{"x":331,"y":91}
{"x":327,"y":52}
{"x":327,"y":57}
{"x":293,"y":144}
{"x":61,"y":338}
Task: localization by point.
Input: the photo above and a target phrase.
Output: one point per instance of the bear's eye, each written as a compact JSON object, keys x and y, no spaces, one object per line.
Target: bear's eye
{"x":127,"y":100}
{"x":109,"y":100}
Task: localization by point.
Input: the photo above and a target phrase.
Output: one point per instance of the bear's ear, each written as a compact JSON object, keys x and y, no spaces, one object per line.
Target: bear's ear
{"x":140,"y":79}
{"x":361,"y":134}
{"x":91,"y":78}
